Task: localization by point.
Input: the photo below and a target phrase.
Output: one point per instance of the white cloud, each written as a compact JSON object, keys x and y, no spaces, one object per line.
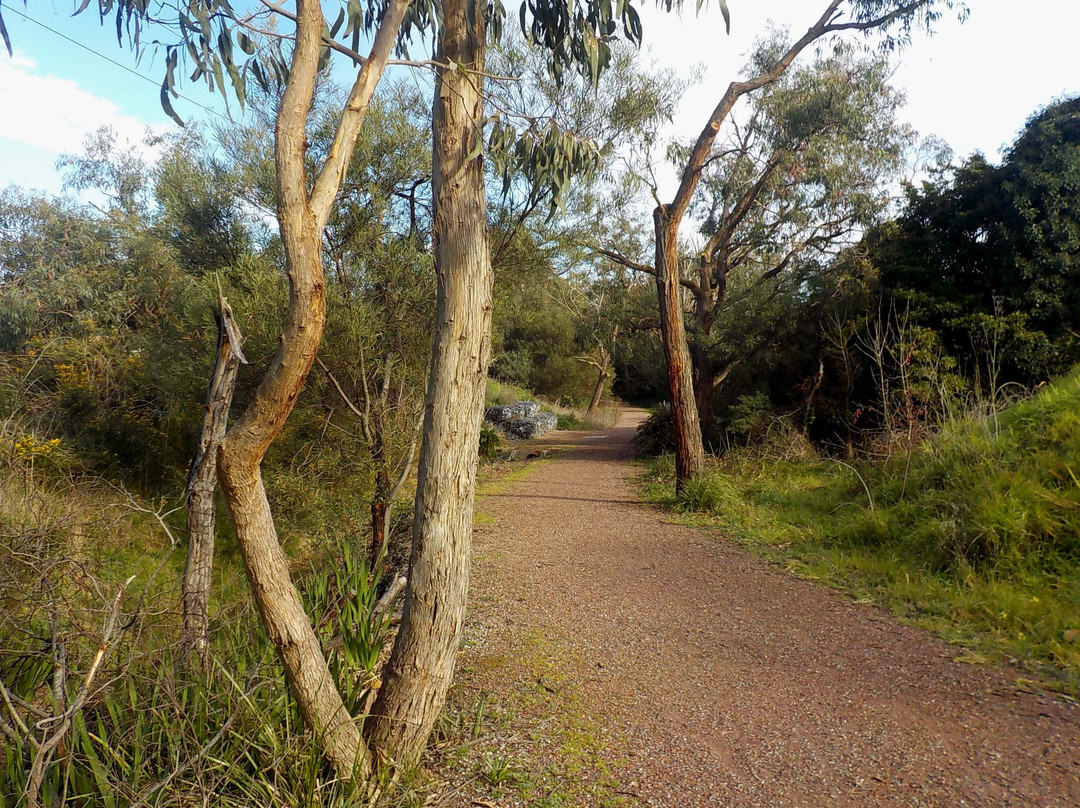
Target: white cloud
{"x":55,"y":114}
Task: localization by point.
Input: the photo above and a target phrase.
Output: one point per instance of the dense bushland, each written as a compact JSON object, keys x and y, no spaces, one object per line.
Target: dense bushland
{"x":107,"y":341}
{"x":968,"y":292}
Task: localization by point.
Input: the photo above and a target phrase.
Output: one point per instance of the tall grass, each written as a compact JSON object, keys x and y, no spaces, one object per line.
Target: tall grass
{"x":975,"y":535}
{"x":99,"y":705}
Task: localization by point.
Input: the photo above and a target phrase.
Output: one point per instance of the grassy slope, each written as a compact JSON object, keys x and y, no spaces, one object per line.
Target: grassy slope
{"x":975,"y":536}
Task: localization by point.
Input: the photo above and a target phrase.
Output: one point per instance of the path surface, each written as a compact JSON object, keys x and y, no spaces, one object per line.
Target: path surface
{"x":729,"y":683}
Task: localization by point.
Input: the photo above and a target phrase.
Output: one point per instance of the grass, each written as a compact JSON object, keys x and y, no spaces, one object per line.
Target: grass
{"x":974,"y":536}
{"x":536,"y":745}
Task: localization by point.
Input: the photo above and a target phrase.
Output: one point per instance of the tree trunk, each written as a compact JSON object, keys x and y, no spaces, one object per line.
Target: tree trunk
{"x":704,"y":375}
{"x":202,"y":483}
{"x":380,"y":520}
{"x":239,"y":469}
{"x":302,"y":215}
{"x":689,"y":451}
{"x":598,"y":391}
{"x":421,"y":667}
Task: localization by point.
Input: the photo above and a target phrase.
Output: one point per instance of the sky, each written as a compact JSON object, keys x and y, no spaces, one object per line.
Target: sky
{"x":973,"y":84}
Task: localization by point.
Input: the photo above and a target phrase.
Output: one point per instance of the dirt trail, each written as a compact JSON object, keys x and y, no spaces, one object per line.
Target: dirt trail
{"x":724,"y":682}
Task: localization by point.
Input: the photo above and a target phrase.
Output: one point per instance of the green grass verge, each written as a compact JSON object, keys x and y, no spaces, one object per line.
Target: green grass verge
{"x":975,"y":535}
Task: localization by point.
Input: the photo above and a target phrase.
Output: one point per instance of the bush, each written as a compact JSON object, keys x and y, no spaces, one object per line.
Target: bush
{"x":656,"y":434}
{"x":490,"y":443}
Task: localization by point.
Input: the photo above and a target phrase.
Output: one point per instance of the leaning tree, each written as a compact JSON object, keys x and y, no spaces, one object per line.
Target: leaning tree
{"x":800,"y":177}
{"x":895,"y":20}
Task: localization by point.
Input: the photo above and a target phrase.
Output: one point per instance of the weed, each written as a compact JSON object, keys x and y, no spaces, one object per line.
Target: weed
{"x":497,"y":770}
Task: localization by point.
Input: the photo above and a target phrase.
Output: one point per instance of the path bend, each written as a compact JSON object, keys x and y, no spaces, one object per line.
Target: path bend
{"x":725,"y":682}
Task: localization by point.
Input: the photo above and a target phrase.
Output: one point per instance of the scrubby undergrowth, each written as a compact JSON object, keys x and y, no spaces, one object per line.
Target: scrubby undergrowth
{"x":974,"y":534}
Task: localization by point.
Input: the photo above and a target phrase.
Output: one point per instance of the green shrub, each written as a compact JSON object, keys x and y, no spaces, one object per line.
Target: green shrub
{"x":490,"y":443}
{"x":710,"y":493}
{"x":656,"y":434}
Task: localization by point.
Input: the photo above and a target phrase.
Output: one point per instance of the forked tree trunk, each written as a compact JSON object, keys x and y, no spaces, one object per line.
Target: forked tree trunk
{"x":689,"y":450}
{"x":202,"y":483}
{"x":421,"y":667}
{"x":302,"y":215}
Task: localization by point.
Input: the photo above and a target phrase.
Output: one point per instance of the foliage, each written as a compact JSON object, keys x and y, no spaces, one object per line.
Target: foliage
{"x":542,"y":263}
{"x":340,"y":597}
{"x":949,"y":307}
{"x":101,"y":325}
{"x":490,"y":443}
{"x":152,"y":727}
{"x":978,"y":240}
{"x":974,"y":534}
{"x":656,"y":435}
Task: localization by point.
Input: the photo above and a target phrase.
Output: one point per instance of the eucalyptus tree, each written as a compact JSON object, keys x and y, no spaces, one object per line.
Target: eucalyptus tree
{"x":895,"y":20}
{"x":421,"y":666}
{"x":800,"y":178}
{"x":286,"y":45}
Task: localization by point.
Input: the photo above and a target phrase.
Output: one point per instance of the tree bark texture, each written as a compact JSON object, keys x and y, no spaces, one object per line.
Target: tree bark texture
{"x":301,"y":218}
{"x":421,"y":667}
{"x":689,"y":450}
{"x":380,"y":520}
{"x":704,"y":375}
{"x":202,"y":483}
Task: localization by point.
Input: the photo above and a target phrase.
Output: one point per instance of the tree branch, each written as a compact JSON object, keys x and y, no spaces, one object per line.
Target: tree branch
{"x":736,"y":90}
{"x":332,"y":175}
{"x":619,"y":258}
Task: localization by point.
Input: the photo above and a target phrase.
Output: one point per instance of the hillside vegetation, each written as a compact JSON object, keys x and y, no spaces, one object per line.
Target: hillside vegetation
{"x":974,"y":533}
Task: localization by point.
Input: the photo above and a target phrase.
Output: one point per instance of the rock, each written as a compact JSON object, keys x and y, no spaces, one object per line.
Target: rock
{"x":499,"y":414}
{"x":547,"y":420}
{"x":1071,"y":635}
{"x":504,"y":413}
{"x":534,"y":427}
{"x":521,"y":421}
{"x":521,"y":429}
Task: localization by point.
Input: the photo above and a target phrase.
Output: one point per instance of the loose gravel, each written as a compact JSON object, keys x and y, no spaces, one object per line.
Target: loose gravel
{"x":718,"y":680}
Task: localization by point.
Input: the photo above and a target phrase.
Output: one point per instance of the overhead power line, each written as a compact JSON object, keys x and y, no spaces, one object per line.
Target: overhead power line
{"x":111,"y":61}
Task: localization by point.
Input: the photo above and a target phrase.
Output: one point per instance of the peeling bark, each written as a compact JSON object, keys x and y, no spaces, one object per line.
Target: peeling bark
{"x":421,"y":667}
{"x":202,"y":483}
{"x":689,"y":449}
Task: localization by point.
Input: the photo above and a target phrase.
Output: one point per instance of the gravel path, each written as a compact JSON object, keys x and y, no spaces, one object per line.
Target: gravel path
{"x":721,"y":681}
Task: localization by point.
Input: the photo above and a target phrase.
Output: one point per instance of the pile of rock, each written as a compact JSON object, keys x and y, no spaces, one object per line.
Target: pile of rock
{"x":521,"y":421}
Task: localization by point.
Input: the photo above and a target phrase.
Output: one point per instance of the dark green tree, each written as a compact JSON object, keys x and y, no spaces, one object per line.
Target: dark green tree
{"x":980,"y":246}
